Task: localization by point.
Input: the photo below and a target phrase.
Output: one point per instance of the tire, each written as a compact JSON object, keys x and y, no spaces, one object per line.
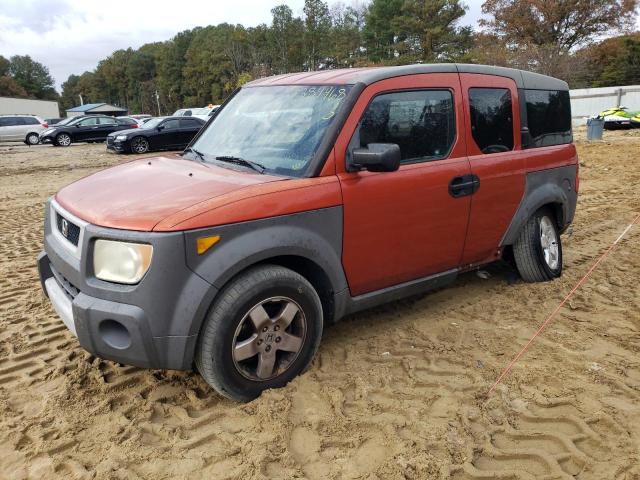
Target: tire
{"x":32,"y":139}
{"x":139,"y":145}
{"x":538,"y":249}
{"x":63,"y":140}
{"x":264,"y":297}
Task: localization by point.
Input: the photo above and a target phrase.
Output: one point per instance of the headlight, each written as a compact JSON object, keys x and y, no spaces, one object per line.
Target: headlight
{"x":121,"y":137}
{"x":121,"y":262}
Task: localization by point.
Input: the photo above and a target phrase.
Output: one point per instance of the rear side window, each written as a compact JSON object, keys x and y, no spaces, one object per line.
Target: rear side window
{"x":30,"y":121}
{"x":548,"y":117}
{"x":190,"y":123}
{"x":491,"y":119}
{"x":421,"y":123}
{"x":9,"y":121}
{"x":171,"y":124}
{"x":108,"y":121}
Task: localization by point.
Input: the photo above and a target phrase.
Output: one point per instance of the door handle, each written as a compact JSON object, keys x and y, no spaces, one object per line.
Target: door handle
{"x":464,"y":185}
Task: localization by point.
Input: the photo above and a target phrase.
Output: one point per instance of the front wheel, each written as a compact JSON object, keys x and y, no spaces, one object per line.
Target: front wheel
{"x":262,"y":331}
{"x":538,"y":249}
{"x":139,"y":145}
{"x":63,"y":140}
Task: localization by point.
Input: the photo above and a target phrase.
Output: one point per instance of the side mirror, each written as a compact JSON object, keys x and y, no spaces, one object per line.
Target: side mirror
{"x":160,"y":127}
{"x":77,"y":125}
{"x":377,"y":157}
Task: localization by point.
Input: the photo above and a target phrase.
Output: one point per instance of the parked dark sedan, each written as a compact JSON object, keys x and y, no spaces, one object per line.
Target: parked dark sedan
{"x":90,"y":128}
{"x":162,"y":133}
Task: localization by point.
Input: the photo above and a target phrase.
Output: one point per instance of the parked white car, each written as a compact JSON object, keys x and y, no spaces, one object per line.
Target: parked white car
{"x":200,"y":112}
{"x":21,"y":128}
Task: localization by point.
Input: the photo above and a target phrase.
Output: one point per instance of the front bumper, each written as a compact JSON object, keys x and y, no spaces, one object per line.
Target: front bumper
{"x":116,"y":145}
{"x":48,"y":138}
{"x":153,"y":324}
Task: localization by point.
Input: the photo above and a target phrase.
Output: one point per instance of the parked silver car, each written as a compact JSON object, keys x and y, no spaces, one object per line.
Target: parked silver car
{"x":21,"y":128}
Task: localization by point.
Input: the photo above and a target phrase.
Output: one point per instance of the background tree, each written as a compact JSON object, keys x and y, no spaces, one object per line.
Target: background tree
{"x":430,"y":31}
{"x":316,"y":38}
{"x":380,"y":33}
{"x":8,"y":86}
{"x":33,"y":77}
{"x":541,"y":34}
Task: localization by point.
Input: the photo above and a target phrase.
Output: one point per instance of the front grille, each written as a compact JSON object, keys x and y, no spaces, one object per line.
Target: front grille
{"x":110,"y":141}
{"x":67,"y":229}
{"x":71,"y":291}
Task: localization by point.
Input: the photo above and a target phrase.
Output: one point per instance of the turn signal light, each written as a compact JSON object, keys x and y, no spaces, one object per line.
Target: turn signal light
{"x":205,"y":243}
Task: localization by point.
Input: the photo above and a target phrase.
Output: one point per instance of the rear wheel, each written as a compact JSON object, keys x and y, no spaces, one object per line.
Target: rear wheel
{"x":63,"y":140}
{"x":139,"y":145}
{"x":538,"y":249}
{"x":261,"y":332}
{"x":32,"y":139}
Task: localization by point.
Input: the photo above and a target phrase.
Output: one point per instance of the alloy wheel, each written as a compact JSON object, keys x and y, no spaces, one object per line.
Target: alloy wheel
{"x":269,"y":338}
{"x":140,"y":145}
{"x":549,"y":243}
{"x":64,"y":140}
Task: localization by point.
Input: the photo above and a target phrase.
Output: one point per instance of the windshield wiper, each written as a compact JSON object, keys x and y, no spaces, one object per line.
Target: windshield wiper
{"x":241,"y":161}
{"x":197,"y":152}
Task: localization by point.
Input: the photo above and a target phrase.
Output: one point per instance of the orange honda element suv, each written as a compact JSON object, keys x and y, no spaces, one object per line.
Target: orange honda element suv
{"x":307,"y":197}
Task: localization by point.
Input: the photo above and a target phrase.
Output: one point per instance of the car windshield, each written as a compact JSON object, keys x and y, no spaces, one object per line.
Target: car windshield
{"x":65,"y":121}
{"x":153,"y":123}
{"x":278,"y":127}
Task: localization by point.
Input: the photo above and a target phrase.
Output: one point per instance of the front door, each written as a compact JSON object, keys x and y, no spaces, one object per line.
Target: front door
{"x":85,"y":129}
{"x":408,"y":224}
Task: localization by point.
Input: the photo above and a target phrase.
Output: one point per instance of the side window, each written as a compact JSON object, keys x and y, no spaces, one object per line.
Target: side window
{"x":108,"y":121}
{"x":171,"y":124}
{"x":421,"y":123}
{"x":491,"y":119}
{"x":89,"y":121}
{"x":190,"y":123}
{"x":30,"y":121}
{"x":548,"y":117}
{"x":4,"y":122}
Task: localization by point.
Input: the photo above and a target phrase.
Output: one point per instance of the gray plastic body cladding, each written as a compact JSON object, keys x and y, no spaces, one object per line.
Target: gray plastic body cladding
{"x":555,"y":185}
{"x":163,"y":306}
{"x":315,"y":235}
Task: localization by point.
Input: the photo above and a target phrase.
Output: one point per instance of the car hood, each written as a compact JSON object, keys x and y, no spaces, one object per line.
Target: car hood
{"x":137,"y":195}
{"x":124,"y":132}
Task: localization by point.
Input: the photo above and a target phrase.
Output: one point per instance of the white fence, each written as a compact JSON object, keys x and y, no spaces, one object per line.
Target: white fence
{"x":586,"y":102}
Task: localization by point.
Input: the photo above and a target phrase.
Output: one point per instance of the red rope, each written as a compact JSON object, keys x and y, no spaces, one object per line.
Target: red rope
{"x":506,"y":371}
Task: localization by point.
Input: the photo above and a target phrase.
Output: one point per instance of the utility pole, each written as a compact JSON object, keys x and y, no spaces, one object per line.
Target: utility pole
{"x":158,"y":102}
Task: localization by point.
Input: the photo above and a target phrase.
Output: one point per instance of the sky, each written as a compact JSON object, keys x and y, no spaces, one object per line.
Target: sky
{"x":72,"y":36}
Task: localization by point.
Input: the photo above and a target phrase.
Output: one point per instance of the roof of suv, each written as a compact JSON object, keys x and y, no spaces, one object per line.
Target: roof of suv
{"x":369,"y":75}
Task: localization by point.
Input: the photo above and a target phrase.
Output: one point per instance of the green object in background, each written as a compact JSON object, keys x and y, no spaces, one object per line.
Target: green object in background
{"x":620,"y":117}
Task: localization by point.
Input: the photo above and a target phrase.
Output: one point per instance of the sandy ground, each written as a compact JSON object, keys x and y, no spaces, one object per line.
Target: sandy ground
{"x":396,"y":392}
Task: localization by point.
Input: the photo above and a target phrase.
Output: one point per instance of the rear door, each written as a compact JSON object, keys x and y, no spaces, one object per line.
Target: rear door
{"x":188,"y":129}
{"x":404,"y":225}
{"x":5,"y":128}
{"x":169,"y":135}
{"x":496,"y":158}
{"x":107,"y":126}
{"x":13,"y":128}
